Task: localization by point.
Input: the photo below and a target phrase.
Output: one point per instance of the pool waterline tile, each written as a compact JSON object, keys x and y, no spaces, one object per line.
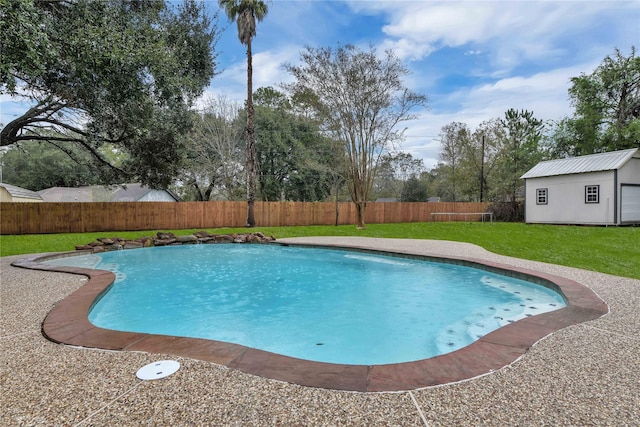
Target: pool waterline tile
{"x":67,"y":323}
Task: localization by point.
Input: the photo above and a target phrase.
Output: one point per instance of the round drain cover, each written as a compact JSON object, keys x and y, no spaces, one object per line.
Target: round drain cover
{"x":157,"y":370}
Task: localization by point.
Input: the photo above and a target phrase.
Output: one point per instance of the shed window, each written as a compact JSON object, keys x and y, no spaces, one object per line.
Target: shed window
{"x":592,"y":194}
{"x":541,"y":196}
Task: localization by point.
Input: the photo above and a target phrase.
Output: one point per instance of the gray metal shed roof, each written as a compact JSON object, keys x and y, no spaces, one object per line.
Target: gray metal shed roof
{"x":583,"y":164}
{"x":22,"y":193}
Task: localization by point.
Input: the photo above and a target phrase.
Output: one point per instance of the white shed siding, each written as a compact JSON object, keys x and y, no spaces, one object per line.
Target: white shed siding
{"x":629,"y":181}
{"x":566,"y":199}
{"x":630,"y":172}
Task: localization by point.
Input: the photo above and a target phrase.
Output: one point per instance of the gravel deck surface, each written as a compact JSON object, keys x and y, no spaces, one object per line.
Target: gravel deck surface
{"x":587,"y":374}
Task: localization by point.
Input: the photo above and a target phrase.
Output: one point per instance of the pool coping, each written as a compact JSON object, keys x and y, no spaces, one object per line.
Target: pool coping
{"x":67,"y":323}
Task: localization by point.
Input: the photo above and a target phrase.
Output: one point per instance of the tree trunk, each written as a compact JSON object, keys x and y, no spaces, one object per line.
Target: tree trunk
{"x":251,"y":144}
{"x":360,"y":210}
{"x":337,"y":209}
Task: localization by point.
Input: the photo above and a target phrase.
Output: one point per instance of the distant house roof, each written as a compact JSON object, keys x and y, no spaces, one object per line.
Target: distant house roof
{"x":21,"y":193}
{"x":387,"y":199}
{"x":138,"y":192}
{"x":67,"y":194}
{"x":583,"y":164}
{"x":96,"y":193}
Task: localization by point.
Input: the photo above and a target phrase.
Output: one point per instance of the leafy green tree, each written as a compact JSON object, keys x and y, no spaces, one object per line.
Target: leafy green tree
{"x":414,"y":190}
{"x":294,"y":157}
{"x":386,"y":184}
{"x":245,"y":13}
{"x":118,"y":72}
{"x":277,"y":151}
{"x":436,"y":181}
{"x":392,"y":172}
{"x":360,"y":100}
{"x":36,"y":165}
{"x":454,"y":139}
{"x":607,"y":109}
{"x":480,"y":159}
{"x":271,"y":98}
{"x":520,"y":151}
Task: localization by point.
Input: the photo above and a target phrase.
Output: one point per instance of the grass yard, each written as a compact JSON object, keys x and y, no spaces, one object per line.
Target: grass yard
{"x":612,"y":250}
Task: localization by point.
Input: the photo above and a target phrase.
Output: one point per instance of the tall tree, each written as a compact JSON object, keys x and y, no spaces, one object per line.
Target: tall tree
{"x":294,"y":156}
{"x":437,"y":183}
{"x":119,"y":72}
{"x":393,"y":170}
{"x":360,"y":99}
{"x":414,"y":190}
{"x":607,"y":109}
{"x":454,"y":139}
{"x":214,"y":153}
{"x":481,"y":158}
{"x":245,"y":13}
{"x":520,"y":151}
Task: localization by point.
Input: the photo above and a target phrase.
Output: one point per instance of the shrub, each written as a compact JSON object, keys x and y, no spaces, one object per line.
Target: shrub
{"x":507,"y":211}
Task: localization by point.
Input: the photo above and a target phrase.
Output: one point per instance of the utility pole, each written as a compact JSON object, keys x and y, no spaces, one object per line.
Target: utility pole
{"x":482,"y":171}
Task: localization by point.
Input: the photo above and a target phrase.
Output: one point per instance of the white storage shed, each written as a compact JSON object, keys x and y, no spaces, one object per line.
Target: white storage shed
{"x":598,"y":189}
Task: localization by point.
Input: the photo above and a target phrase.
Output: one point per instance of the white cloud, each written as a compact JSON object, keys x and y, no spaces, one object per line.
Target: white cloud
{"x":509,"y":31}
{"x":451,"y":23}
{"x":407,"y":49}
{"x":267,"y":71}
{"x":544,"y":93}
{"x":269,"y":66}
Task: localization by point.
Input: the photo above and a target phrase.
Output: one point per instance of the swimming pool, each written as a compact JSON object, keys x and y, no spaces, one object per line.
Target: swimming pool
{"x":316,"y":304}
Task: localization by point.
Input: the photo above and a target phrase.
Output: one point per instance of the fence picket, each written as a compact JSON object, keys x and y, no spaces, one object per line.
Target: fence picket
{"x":33,"y":218}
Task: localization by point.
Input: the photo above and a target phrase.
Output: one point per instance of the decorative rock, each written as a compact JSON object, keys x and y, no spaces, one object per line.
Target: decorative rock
{"x":146,"y":241}
{"x":164,"y":242}
{"x":202,"y":234}
{"x":133,"y":245}
{"x":165,"y":236}
{"x":103,"y":244}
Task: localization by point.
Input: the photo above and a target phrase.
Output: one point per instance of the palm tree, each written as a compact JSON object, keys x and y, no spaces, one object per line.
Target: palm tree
{"x":245,"y":13}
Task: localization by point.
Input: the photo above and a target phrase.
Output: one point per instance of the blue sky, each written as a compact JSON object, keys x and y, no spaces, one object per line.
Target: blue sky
{"x":473,"y":59}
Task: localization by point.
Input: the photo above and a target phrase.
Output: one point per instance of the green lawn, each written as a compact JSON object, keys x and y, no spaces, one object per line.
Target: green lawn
{"x":613,"y":250}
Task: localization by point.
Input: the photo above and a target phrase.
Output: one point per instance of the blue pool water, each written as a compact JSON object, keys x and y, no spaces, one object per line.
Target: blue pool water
{"x":316,"y":304}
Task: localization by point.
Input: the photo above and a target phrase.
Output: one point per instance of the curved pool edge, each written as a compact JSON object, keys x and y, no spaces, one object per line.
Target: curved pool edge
{"x":67,"y":323}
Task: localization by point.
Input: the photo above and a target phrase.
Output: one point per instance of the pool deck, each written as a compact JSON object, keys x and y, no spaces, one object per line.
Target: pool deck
{"x":583,"y":374}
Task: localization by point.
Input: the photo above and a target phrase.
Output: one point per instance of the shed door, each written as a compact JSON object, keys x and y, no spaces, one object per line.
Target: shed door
{"x":630,"y":207}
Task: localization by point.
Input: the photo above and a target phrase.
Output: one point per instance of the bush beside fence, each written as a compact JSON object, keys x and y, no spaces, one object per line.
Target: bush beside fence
{"x":44,"y":218}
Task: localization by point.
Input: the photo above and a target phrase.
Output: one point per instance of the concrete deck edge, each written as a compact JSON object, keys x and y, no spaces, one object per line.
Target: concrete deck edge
{"x":67,"y":323}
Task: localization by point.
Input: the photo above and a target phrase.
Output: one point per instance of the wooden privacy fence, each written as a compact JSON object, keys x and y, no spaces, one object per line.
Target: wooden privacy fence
{"x":41,"y":218}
